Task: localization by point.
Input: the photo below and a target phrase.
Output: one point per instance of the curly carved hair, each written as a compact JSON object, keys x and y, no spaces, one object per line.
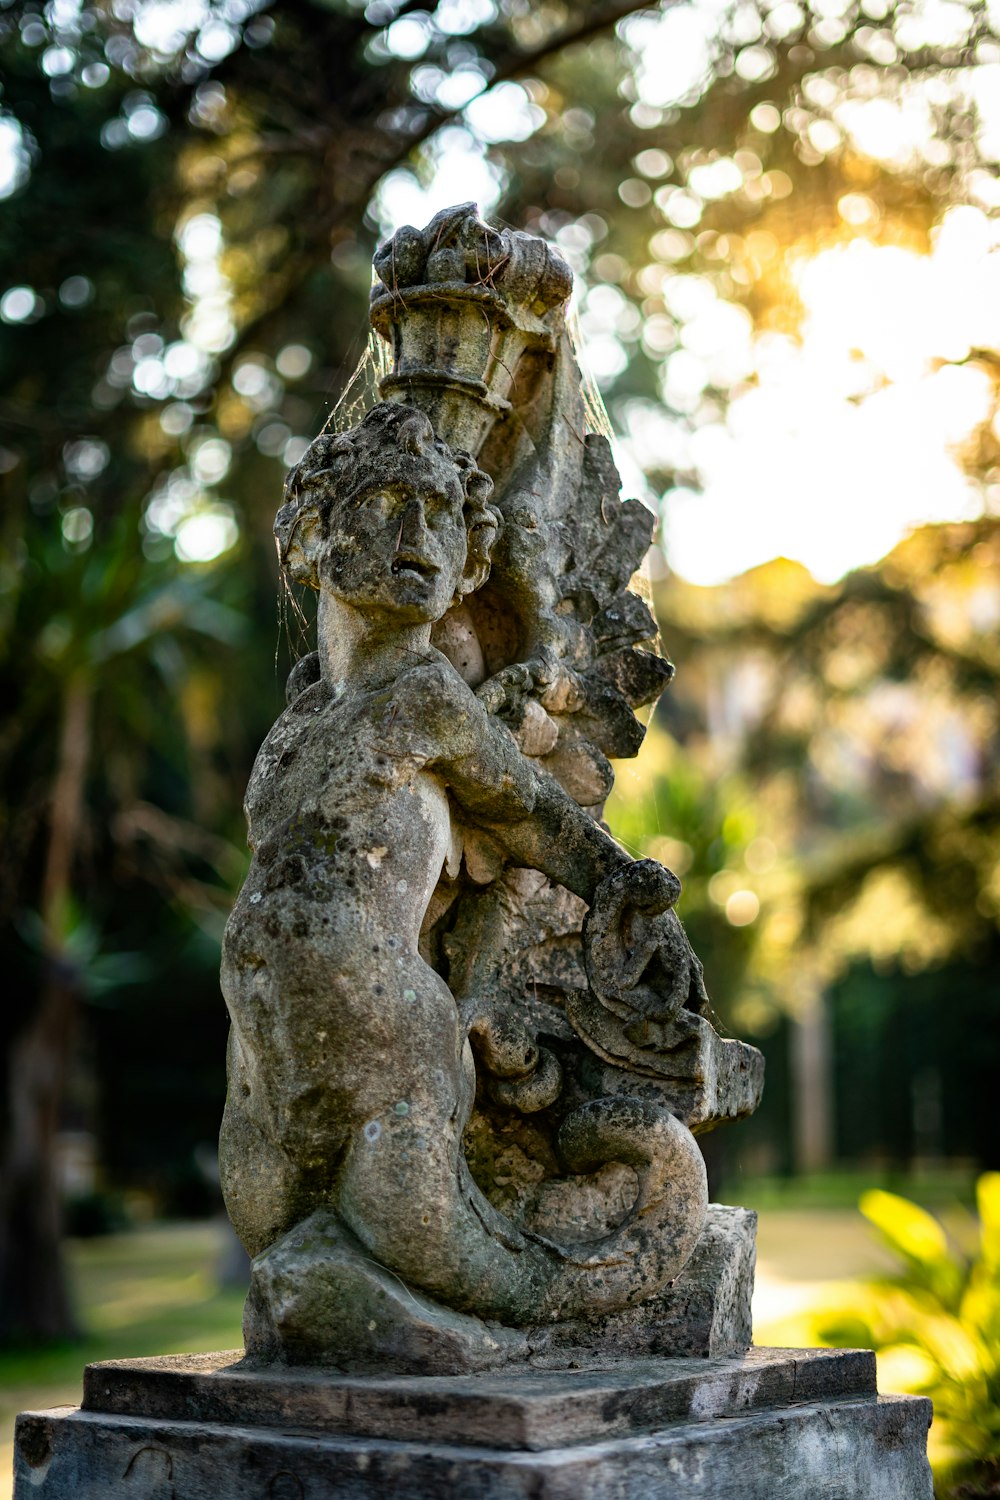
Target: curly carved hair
{"x":391,"y":440}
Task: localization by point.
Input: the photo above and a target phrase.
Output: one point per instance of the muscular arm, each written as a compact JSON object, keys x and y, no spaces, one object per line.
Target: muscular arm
{"x":561,"y":840}
{"x":474,"y":754}
{"x":524,"y":809}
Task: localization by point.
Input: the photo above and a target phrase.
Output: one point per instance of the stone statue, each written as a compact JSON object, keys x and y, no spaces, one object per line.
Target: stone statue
{"x":471,"y":1046}
{"x":469,"y":1036}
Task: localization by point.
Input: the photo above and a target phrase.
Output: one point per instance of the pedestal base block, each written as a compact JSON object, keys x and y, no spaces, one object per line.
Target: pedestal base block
{"x":705,"y":1312}
{"x":799,"y":1424}
{"x":317,"y":1297}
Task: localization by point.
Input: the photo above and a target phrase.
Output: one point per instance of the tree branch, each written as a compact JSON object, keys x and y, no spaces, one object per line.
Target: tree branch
{"x":515,"y":64}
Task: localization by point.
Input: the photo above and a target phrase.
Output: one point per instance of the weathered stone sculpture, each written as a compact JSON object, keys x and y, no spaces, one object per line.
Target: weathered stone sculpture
{"x":469,"y":1034}
{"x":471,"y":1046}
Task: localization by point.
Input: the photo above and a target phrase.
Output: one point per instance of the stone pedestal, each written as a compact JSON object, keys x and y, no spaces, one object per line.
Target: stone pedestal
{"x":794,"y":1424}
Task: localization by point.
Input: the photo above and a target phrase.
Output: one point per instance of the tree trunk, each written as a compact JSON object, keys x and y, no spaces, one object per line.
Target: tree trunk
{"x":34,"y":1296}
{"x":812,"y":1086}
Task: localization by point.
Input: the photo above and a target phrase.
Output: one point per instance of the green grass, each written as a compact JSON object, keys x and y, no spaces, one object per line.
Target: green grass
{"x":152,"y":1291}
{"x":840,"y":1188}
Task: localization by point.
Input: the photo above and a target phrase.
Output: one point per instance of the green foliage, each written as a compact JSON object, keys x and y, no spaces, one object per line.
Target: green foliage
{"x":856,"y":721}
{"x":669,"y":807}
{"x":942,"y":1313}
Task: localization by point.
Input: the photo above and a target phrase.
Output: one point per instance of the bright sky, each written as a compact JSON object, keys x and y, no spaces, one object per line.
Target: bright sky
{"x":853,"y":434}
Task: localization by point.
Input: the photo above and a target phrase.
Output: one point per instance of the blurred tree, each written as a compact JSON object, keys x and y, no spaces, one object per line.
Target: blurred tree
{"x":852,"y":735}
{"x":865,"y":716}
{"x":192,"y":196}
{"x":93,"y":676}
{"x":92,"y":625}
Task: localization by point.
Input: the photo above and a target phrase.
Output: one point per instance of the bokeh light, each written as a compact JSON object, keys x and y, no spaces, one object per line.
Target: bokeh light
{"x":852,"y":432}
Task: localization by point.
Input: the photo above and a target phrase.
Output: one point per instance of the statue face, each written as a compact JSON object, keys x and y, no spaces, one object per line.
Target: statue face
{"x":399,"y":548}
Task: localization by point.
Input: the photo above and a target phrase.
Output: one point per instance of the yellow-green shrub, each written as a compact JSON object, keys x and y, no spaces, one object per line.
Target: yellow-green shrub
{"x":936,"y":1327}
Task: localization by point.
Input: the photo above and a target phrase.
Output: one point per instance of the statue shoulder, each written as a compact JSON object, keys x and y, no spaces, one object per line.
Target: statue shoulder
{"x":434,"y":689}
{"x":280,"y":751}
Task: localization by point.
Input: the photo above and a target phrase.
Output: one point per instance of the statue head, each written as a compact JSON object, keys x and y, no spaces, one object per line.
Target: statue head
{"x":387,"y":518}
